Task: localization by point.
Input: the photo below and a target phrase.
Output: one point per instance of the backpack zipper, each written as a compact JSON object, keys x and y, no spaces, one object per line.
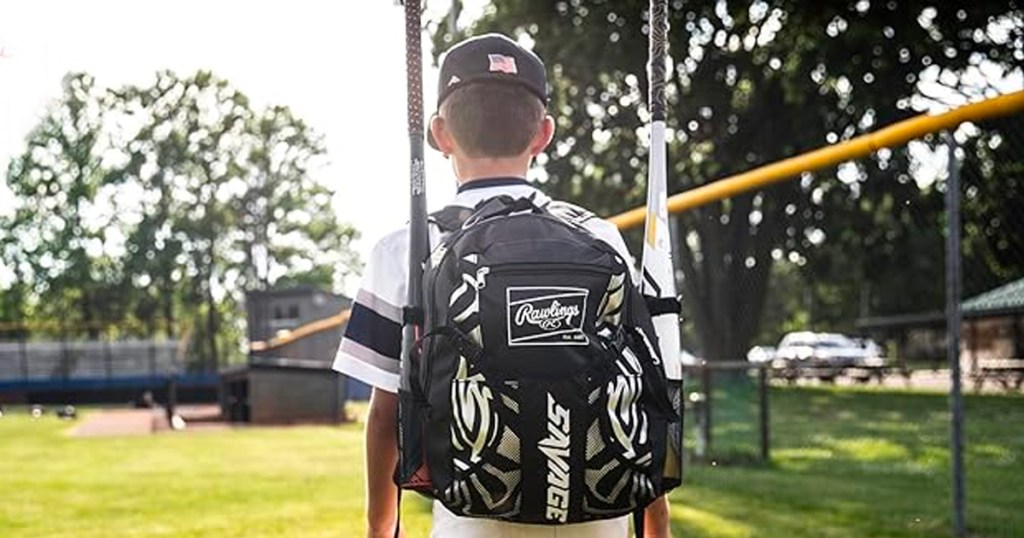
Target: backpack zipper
{"x":522,"y":267}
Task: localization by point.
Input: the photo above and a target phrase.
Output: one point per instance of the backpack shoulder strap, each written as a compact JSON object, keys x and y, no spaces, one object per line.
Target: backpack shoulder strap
{"x":570,"y":213}
{"x":450,"y":218}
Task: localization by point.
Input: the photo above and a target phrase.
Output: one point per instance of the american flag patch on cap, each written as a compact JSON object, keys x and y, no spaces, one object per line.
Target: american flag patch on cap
{"x":502,"y":64}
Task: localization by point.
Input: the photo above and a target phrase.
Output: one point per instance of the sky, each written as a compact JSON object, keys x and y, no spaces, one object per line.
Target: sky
{"x":340,"y":66}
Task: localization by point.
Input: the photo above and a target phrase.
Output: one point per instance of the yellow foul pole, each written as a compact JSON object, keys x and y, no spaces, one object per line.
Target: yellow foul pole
{"x":892,"y":136}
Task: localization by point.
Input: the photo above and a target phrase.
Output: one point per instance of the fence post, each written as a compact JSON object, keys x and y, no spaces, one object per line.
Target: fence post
{"x":706,"y":381}
{"x":765,"y":431}
{"x":107,"y":358}
{"x":23,"y":347}
{"x":65,"y":356}
{"x":172,"y":398}
{"x":953,"y":322}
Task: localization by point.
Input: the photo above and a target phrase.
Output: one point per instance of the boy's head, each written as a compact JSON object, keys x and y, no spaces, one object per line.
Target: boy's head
{"x":492,"y":98}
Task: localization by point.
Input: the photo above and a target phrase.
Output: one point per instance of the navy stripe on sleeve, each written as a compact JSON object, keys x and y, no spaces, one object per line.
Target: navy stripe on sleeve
{"x":374,"y":331}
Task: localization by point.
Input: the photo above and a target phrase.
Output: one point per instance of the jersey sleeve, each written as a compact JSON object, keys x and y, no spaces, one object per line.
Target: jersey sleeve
{"x":371,"y":347}
{"x":609,"y":233}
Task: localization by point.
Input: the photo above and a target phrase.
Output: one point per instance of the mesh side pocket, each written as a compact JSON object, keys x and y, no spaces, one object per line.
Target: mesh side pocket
{"x":619,"y":456}
{"x":486,"y":450}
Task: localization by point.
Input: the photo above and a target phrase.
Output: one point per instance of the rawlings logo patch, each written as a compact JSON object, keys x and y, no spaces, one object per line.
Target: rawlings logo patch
{"x":546,"y":316}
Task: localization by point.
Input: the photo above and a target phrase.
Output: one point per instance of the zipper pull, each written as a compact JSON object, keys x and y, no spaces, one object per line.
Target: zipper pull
{"x":481,"y":273}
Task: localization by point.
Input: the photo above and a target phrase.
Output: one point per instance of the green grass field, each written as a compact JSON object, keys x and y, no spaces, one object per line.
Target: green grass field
{"x":845,"y":464}
{"x":862,"y":463}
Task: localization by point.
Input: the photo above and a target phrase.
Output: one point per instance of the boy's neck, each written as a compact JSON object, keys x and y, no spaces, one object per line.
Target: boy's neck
{"x":467,"y":170}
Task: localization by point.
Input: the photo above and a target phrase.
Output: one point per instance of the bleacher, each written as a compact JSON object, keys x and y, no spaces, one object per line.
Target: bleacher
{"x":90,"y":370}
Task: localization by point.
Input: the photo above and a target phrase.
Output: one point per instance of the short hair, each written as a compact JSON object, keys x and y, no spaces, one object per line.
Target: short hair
{"x":492,"y":119}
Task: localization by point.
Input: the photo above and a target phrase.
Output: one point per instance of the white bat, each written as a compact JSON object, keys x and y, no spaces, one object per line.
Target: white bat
{"x":658,"y":275}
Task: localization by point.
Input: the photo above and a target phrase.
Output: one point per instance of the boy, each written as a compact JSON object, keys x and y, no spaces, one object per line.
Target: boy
{"x":491,"y":123}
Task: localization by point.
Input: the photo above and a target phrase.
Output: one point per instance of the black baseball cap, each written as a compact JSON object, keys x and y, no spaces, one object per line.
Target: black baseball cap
{"x":490,"y":58}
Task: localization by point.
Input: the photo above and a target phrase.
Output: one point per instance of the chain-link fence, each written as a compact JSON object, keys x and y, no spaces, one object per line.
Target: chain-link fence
{"x":84,"y":359}
{"x":834,"y":285}
{"x":728,"y":411}
{"x":61,"y":361}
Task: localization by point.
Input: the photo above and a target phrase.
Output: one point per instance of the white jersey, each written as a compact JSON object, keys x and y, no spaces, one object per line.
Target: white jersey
{"x":371,"y":348}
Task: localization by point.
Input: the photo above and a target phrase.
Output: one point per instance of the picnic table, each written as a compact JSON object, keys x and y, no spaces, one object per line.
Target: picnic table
{"x":876,"y":369}
{"x":1008,"y":373}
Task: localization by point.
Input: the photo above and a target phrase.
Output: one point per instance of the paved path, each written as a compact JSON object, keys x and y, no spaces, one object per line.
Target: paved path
{"x":930,"y":380}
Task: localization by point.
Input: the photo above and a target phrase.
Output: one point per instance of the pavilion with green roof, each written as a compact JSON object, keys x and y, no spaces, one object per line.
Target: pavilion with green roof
{"x":1007,"y":299}
{"x":992,"y":327}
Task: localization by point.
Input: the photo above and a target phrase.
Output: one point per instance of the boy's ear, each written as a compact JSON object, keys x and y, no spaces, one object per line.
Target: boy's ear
{"x":442,"y":137}
{"x":543,"y":137}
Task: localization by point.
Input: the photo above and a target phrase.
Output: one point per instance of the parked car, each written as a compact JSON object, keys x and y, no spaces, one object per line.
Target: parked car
{"x":824,"y":350}
{"x":872,"y":351}
{"x":688,"y":359}
{"x":761,"y":354}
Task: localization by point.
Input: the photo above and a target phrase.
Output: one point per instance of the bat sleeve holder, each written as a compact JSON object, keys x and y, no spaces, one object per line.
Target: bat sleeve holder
{"x":412,"y":315}
{"x":658,"y":306}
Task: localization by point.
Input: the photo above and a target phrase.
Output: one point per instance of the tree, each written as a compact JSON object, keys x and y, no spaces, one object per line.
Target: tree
{"x":59,"y":241}
{"x":750,"y":83}
{"x":284,"y":218}
{"x":234,"y":204}
{"x":161,"y":205}
{"x":993,"y":205}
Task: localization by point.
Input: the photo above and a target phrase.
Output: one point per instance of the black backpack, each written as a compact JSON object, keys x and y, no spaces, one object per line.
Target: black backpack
{"x":538,"y":395}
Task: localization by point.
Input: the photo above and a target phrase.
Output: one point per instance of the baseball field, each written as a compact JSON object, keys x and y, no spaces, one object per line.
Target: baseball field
{"x":845,"y":464}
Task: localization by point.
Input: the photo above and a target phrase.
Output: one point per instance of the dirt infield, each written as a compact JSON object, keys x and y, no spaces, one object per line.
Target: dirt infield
{"x":118,"y":422}
{"x":111,"y":422}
